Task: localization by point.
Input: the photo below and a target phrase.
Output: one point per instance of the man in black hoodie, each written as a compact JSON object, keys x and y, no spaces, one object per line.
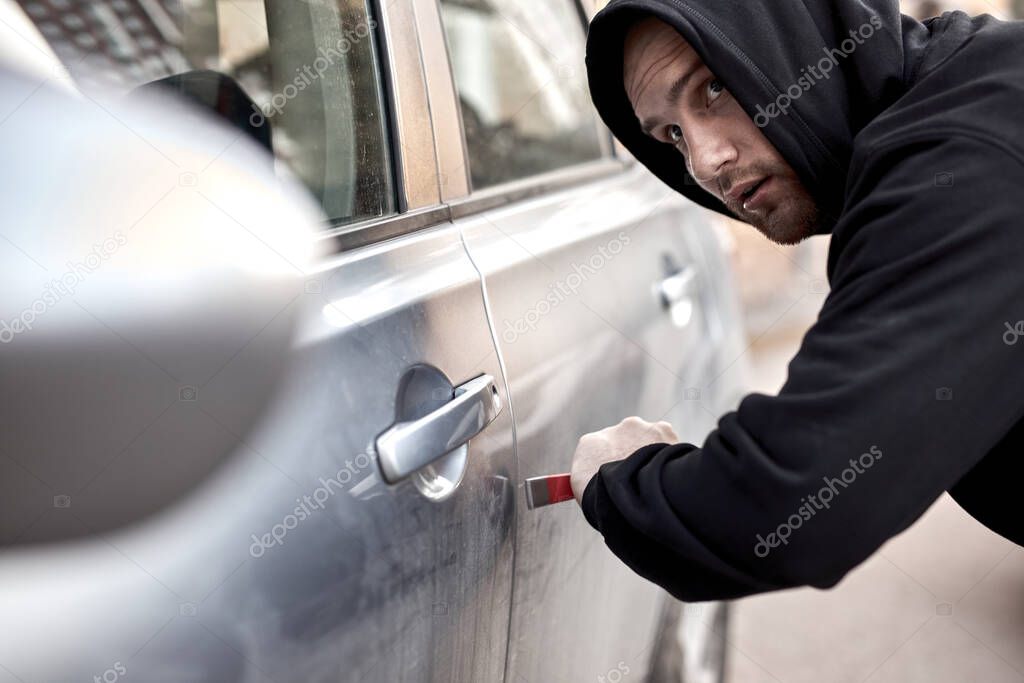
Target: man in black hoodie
{"x":905,"y":141}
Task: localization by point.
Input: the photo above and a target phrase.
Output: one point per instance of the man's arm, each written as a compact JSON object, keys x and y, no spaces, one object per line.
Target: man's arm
{"x":900,"y":387}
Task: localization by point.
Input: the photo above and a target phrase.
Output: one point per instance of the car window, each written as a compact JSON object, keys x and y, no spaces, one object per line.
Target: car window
{"x":300,"y":77}
{"x":519,"y":72}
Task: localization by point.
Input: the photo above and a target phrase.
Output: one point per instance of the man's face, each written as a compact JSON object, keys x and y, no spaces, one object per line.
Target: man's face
{"x":680,"y":102}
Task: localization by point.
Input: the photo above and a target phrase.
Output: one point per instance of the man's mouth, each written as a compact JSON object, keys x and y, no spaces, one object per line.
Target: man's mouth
{"x":740,"y":192}
{"x":754,"y":197}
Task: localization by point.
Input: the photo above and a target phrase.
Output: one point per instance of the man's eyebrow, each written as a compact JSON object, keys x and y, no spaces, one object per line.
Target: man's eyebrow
{"x":671,"y":96}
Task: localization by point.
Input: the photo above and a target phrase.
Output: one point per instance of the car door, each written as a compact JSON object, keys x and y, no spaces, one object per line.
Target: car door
{"x":609,"y":298}
{"x":365,"y":531}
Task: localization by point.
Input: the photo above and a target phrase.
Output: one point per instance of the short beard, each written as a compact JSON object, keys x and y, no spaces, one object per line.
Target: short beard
{"x":788,"y":224}
{"x":801,"y":222}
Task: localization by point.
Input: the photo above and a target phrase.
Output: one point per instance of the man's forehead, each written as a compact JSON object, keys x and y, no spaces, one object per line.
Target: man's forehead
{"x":652,"y":35}
{"x":651,"y":45}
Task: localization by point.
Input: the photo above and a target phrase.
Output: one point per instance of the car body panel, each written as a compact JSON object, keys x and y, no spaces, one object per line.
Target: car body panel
{"x":371,"y":582}
{"x":571,"y":279}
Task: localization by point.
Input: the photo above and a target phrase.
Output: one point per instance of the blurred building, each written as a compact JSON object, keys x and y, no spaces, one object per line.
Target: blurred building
{"x":122,"y":44}
{"x":113,"y":39}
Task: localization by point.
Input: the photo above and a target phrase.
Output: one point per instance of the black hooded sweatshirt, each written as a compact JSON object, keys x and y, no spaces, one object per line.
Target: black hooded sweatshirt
{"x":910,"y":136}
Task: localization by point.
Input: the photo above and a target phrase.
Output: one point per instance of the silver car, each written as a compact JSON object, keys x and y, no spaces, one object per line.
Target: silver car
{"x":367,"y":268}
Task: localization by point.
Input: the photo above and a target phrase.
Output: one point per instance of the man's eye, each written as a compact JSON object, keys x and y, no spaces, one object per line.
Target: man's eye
{"x":675,"y":133}
{"x":715,"y":89}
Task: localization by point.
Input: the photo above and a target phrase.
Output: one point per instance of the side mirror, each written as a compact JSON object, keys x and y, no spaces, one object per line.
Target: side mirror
{"x":153,"y":276}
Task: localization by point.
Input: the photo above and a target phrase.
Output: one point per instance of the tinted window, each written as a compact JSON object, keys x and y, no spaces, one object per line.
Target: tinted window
{"x":519,"y":72}
{"x":298,"y":76}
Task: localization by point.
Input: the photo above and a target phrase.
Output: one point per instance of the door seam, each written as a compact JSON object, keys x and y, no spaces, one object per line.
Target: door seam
{"x":515,"y":445}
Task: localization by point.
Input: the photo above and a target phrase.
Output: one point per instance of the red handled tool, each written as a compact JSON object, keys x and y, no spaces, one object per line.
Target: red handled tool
{"x":541,"y":491}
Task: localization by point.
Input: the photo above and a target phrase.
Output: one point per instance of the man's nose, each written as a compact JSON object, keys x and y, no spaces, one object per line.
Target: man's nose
{"x":711,"y":153}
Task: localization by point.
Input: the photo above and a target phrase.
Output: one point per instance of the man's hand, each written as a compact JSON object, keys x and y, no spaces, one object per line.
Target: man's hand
{"x":614,"y":443}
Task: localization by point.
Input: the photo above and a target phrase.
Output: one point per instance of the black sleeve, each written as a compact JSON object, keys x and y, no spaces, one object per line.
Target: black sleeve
{"x":899,"y":388}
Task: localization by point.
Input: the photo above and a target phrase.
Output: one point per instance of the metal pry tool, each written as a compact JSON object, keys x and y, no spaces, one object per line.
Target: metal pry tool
{"x":541,"y":491}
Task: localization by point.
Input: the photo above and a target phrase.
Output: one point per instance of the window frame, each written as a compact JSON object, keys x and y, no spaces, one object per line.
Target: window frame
{"x":410,"y":136}
{"x":422,"y":103}
{"x":454,"y":165}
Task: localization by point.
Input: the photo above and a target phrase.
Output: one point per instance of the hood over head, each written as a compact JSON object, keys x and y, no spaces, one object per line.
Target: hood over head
{"x":810,"y":73}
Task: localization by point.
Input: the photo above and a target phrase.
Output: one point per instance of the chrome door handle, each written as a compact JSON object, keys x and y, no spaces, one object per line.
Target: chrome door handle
{"x":677,"y":288}
{"x":409,"y":446}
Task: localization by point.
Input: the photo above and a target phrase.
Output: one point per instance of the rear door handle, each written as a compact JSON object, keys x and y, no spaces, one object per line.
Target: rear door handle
{"x":676,"y":293}
{"x":678,"y":287}
{"x":410,"y":446}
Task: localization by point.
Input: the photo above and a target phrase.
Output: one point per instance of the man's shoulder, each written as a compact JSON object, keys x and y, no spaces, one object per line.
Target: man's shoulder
{"x":969,"y":82}
{"x":951,"y":195}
